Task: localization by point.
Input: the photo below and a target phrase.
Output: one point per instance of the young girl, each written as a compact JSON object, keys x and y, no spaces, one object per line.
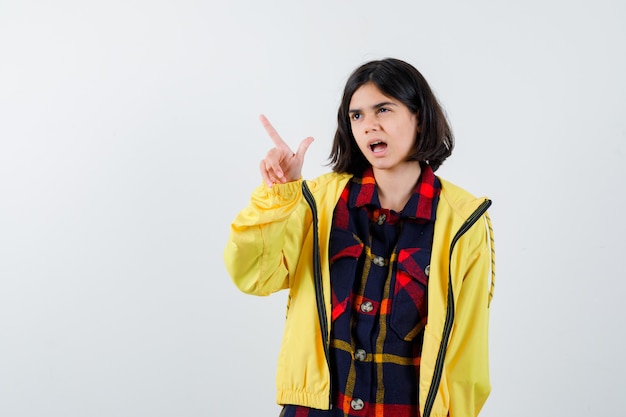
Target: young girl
{"x":390,"y":269}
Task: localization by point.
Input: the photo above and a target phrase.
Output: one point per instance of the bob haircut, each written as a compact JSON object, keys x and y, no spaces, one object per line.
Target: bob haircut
{"x":401,"y":81}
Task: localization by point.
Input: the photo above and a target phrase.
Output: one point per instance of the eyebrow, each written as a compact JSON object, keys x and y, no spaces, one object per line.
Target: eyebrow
{"x":374,"y":107}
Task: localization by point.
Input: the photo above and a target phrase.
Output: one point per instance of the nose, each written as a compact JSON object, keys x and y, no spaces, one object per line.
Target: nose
{"x":371,"y":124}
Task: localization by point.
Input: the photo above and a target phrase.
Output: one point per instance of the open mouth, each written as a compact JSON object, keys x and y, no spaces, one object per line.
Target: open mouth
{"x":378,"y":146}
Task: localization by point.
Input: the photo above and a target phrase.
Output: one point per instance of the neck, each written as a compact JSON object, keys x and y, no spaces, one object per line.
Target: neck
{"x":395,"y":187}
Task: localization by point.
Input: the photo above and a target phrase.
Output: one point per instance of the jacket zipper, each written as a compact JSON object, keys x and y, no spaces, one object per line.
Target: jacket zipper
{"x":447,"y":328}
{"x":317,"y":278}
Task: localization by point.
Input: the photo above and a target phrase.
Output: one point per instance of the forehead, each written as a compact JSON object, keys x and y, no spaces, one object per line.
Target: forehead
{"x":369,"y":95}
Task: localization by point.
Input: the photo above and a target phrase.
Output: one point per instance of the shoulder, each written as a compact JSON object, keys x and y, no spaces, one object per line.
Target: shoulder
{"x":330,"y":182}
{"x":457,"y":199}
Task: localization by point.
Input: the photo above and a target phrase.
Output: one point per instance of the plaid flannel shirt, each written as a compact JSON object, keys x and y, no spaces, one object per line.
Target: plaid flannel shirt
{"x":379,"y":272}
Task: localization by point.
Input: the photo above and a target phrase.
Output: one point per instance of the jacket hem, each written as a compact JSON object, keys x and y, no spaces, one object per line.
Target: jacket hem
{"x":303,"y":398}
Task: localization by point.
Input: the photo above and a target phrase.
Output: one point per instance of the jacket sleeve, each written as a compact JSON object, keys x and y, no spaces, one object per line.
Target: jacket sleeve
{"x":467,"y":360}
{"x":265,"y":239}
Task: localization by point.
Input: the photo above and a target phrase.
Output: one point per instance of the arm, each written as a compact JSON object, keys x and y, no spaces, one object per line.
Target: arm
{"x":467,"y":361}
{"x":266,"y":237}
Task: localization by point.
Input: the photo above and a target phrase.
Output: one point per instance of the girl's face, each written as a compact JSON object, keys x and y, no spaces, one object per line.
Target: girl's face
{"x":384,"y":128}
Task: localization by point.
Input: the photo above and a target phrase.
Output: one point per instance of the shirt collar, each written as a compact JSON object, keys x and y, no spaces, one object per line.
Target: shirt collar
{"x":421,"y":204}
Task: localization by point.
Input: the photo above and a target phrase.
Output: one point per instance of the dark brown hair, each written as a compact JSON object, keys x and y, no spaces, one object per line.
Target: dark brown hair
{"x":401,"y":81}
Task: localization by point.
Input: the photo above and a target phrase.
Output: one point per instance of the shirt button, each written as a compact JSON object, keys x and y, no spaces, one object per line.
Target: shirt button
{"x":427,"y":270}
{"x":379,"y":260}
{"x":367,"y":306}
{"x":357,"y":404}
{"x":360,"y":354}
{"x":381,"y":219}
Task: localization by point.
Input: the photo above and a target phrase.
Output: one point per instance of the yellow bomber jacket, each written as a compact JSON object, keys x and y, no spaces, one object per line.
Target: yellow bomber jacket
{"x":281,"y":241}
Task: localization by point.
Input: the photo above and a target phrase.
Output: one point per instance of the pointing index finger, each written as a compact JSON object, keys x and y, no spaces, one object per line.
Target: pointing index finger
{"x":278,"y":141}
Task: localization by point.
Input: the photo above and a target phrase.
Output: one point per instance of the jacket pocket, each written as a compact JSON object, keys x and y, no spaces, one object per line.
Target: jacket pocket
{"x":345,"y":254}
{"x":409,"y":305}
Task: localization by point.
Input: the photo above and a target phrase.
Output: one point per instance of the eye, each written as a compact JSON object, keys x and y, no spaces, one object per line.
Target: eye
{"x":355,"y":116}
{"x":383,"y":110}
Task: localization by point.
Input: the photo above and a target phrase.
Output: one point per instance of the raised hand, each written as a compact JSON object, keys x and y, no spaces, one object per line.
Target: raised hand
{"x":281,"y":164}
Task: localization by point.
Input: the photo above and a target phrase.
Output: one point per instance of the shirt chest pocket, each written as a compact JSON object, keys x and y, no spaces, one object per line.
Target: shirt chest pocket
{"x":409,"y":305}
{"x":345,"y":254}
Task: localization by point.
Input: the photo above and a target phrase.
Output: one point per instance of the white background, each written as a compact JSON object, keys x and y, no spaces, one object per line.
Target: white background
{"x":130,"y":139}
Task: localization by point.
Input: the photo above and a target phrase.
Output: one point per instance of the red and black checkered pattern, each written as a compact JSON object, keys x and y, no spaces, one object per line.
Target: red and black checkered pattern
{"x":379,"y":275}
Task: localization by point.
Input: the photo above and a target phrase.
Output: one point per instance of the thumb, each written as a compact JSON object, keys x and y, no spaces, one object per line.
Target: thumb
{"x":304,"y":145}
